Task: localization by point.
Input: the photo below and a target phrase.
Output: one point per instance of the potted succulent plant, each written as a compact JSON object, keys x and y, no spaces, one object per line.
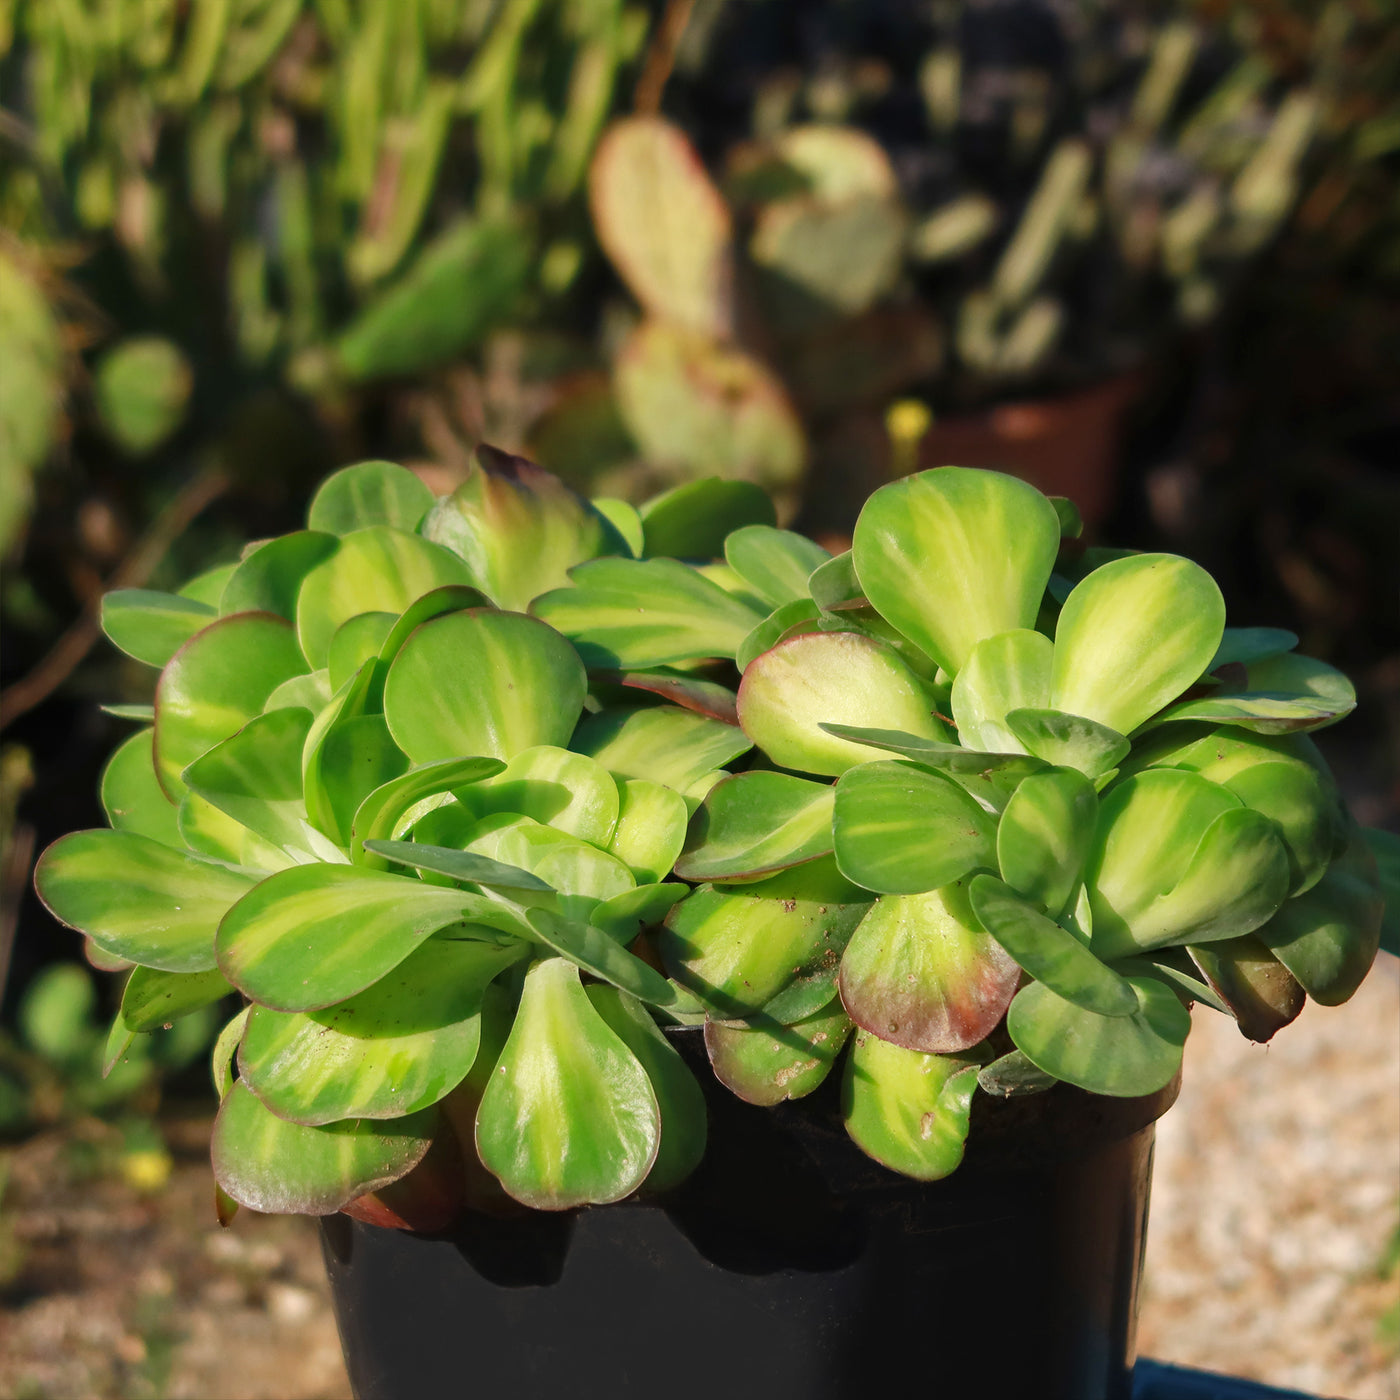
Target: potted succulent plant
{"x":526,"y":828}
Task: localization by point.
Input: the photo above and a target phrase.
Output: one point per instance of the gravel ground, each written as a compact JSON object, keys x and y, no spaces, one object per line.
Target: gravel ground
{"x":1277,"y":1187}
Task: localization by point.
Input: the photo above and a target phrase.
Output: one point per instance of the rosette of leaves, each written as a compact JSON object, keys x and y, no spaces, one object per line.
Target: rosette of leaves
{"x":438,"y":786}
{"x":393,"y":813}
{"x":1017,"y":806}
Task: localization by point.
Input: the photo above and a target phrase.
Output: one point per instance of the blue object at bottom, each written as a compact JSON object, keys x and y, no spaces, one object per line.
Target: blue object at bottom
{"x":1154,"y":1380}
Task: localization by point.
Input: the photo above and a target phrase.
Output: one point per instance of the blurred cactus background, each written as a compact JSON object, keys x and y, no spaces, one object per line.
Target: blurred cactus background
{"x":1147,"y":254}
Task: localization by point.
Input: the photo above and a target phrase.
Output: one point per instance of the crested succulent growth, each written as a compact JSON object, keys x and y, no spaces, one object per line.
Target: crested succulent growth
{"x":478,"y":804}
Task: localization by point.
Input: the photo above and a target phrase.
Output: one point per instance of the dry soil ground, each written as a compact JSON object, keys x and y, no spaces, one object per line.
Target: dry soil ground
{"x":1277,"y":1189}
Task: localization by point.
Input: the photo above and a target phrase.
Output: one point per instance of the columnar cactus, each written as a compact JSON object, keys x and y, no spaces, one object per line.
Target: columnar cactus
{"x":467,"y":800}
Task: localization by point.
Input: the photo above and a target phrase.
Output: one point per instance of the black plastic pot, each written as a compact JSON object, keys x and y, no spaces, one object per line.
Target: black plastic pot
{"x":789,"y":1267}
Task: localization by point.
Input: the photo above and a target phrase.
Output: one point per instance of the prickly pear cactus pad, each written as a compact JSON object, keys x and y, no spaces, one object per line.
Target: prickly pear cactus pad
{"x":468,"y":801}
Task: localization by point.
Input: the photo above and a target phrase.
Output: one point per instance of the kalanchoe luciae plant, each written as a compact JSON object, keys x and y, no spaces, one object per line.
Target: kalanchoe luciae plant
{"x":991,"y":808}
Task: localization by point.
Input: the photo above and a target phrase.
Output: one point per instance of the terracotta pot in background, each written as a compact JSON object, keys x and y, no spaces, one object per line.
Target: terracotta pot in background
{"x":1065,"y":446}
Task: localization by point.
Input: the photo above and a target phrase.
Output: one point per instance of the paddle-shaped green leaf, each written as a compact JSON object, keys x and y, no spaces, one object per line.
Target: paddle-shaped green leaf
{"x":208,"y":587}
{"x":255,"y":777}
{"x":397,"y":1047}
{"x":764,"y":1061}
{"x":1132,"y":636}
{"x":650,"y":830}
{"x":355,"y":756}
{"x":828,"y":678}
{"x":377,"y":569}
{"x":952,"y":556}
{"x":903,"y":830}
{"x":1284,"y":695}
{"x":835,"y":582}
{"x":357,"y":640}
{"x":776,"y":564}
{"x":142,"y":714}
{"x":1246,"y":645}
{"x":388,"y":811}
{"x":216,"y":683}
{"x":991,"y":778}
{"x":1013,"y":1075}
{"x":519,"y":529}
{"x":459,"y":865}
{"x":663,"y":744}
{"x":208,"y":831}
{"x":921,"y":972}
{"x":790,"y":620}
{"x":570,"y":1117}
{"x":678,"y":1095}
{"x":626,"y":614}
{"x":152,"y":626}
{"x":313,"y":935}
{"x":1122,"y":1056}
{"x":738,"y":948}
{"x":1149,"y":826}
{"x":1007,"y":672}
{"x":568,"y":791}
{"x":1327,"y":937}
{"x":269,"y":578}
{"x":625,"y":915}
{"x":1262,"y":995}
{"x":1048,"y":952}
{"x":602,"y":955}
{"x":152,"y":998}
{"x":907,"y":1110}
{"x":1385,"y":849}
{"x":565,"y":863}
{"x":138,"y":899}
{"x":369,"y":493}
{"x":1305,"y":806}
{"x":1237,"y":878}
{"x":1069,"y":741}
{"x":282,"y":1168}
{"x":624,"y":518}
{"x":132,"y":796}
{"x":693,"y":520}
{"x":311,"y":691}
{"x":1044,"y":837}
{"x":483,"y":682}
{"x":756,"y":823}
{"x":450,"y":598}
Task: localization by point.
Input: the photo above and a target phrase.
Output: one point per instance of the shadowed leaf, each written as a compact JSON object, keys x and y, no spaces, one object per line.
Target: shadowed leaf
{"x":281,"y":1168}
{"x":738,"y":948}
{"x":755,"y":823}
{"x":909,"y":1111}
{"x":765,"y":1062}
{"x":678,"y":1095}
{"x":1050,"y":953}
{"x":395,"y":1048}
{"x":1122,"y":1056}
